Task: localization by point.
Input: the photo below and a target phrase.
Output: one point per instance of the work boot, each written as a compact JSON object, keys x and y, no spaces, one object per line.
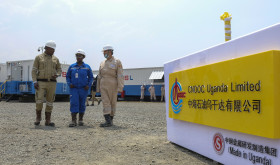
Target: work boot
{"x":74,"y":120}
{"x":38,"y":118}
{"x":48,"y":119}
{"x":112,"y":117}
{"x":87,"y":104}
{"x":92,"y":104}
{"x":108,"y":122}
{"x":81,"y":115}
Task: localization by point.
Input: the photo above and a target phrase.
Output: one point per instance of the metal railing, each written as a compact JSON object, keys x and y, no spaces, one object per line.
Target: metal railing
{"x":3,"y":89}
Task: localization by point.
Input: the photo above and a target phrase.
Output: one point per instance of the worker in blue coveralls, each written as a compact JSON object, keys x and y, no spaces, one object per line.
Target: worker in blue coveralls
{"x":79,"y":77}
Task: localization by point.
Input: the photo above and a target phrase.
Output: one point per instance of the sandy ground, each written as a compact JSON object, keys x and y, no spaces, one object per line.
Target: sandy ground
{"x":137,"y":137}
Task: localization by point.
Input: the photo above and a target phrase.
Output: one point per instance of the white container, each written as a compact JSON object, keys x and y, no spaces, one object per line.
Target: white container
{"x":22,"y":71}
{"x":3,"y":72}
{"x":139,"y":76}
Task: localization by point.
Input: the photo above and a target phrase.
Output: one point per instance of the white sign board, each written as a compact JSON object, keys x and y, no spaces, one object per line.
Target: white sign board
{"x":224,"y":146}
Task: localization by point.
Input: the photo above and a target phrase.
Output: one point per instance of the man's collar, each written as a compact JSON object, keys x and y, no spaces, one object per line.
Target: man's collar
{"x":110,"y":59}
{"x":47,"y":54}
{"x":78,"y":64}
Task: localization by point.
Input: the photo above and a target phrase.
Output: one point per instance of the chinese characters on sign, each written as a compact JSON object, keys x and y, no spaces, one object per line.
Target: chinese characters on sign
{"x":241,"y":152}
{"x":226,"y":105}
{"x":251,"y":146}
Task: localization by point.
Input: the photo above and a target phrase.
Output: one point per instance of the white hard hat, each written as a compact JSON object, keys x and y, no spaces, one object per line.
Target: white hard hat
{"x":107,"y":47}
{"x":80,"y":51}
{"x":50,"y":44}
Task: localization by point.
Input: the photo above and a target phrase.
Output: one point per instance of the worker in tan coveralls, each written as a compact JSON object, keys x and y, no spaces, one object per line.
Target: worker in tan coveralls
{"x":152,"y":93}
{"x":110,"y":81}
{"x":142,"y":92}
{"x":93,"y":93}
{"x":46,"y":69}
{"x":162,"y":93}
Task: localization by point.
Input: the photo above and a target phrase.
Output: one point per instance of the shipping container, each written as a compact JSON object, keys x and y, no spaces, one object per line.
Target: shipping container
{"x":3,"y":72}
{"x":135,"y":77}
{"x":18,"y":78}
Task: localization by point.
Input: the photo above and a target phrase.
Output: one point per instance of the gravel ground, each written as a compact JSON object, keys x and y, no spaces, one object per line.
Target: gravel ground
{"x":137,"y":137}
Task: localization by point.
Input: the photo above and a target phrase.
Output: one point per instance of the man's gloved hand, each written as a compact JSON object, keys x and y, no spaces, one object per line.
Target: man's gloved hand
{"x":36,"y":85}
{"x":72,"y":86}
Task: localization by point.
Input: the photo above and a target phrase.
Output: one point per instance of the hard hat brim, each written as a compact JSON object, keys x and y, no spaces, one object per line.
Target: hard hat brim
{"x":50,"y":47}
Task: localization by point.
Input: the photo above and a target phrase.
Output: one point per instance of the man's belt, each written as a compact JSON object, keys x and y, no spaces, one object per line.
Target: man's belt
{"x":46,"y":80}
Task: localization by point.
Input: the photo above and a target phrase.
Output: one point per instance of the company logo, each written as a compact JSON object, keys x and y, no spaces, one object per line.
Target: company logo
{"x":176,"y":97}
{"x":128,"y":77}
{"x":218,"y":143}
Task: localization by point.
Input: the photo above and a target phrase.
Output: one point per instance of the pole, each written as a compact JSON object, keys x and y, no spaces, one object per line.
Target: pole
{"x":226,"y":17}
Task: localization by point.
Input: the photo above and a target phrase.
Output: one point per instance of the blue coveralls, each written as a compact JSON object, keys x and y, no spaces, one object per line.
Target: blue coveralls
{"x":79,"y":76}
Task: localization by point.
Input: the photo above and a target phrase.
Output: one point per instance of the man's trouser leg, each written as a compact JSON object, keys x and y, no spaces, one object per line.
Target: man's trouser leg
{"x":93,"y":93}
{"x":108,"y":95}
{"x":39,"y":98}
{"x":82,"y":96}
{"x":82,"y":108}
{"x":74,"y":100}
{"x":114,"y":99}
{"x":93,"y":97}
{"x":154,"y":96}
{"x":114,"y":105}
{"x":50,"y":97}
{"x":74,"y":106}
{"x":106,"y":101}
{"x":106,"y":107}
{"x":142,"y":96}
{"x":87,"y":101}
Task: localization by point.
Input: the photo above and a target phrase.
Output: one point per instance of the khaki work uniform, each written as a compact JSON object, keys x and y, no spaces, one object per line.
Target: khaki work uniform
{"x":44,"y":67}
{"x":93,"y":92}
{"x":162,"y":93}
{"x":152,"y":93}
{"x":93,"y":98}
{"x":142,"y":92}
{"x":110,"y":81}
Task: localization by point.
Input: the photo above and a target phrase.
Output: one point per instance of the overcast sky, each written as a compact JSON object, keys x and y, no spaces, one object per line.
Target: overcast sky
{"x":144,"y":33}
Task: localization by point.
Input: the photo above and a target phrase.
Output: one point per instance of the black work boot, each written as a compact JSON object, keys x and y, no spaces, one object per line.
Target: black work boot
{"x":108,"y":122}
{"x":48,"y":119}
{"x":74,"y":120}
{"x":81,"y":115}
{"x":38,"y":118}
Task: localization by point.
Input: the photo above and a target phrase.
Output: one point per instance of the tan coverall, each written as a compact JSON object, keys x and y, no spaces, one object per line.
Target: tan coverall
{"x":142,"y":92}
{"x":152,"y":93}
{"x":162,"y":93}
{"x":110,"y":81}
{"x":44,"y":67}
